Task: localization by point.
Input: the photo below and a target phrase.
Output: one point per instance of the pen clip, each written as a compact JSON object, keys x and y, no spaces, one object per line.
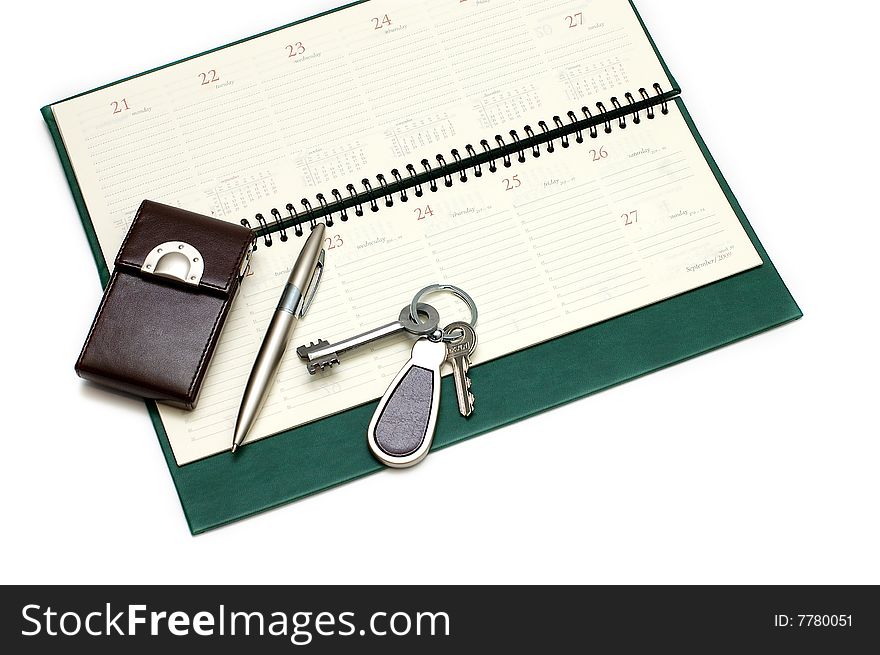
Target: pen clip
{"x":313,"y":285}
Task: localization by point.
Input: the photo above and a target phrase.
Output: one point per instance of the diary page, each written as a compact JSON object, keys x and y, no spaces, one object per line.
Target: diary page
{"x":337,"y":100}
{"x":565,"y":241}
{"x":343,"y":97}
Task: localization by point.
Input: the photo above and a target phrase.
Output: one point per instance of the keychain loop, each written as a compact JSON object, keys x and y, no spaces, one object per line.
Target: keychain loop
{"x":456,"y":291}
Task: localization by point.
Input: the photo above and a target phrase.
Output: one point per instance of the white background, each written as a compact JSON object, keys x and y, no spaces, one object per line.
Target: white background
{"x":755,"y":464}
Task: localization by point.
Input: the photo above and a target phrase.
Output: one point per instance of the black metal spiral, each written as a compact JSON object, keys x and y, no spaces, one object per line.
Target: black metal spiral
{"x":325,"y":210}
{"x":414,"y":176}
{"x":486,"y":149}
{"x":398,"y":179}
{"x":462,"y":176}
{"x":343,"y":213}
{"x":630,"y":109}
{"x":430,"y":173}
{"x":280,"y":223}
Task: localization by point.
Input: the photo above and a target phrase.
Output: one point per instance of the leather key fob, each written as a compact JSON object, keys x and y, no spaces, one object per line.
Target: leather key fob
{"x":402,"y":428}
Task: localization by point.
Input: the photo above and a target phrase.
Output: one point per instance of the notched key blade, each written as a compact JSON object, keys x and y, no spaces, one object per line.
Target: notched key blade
{"x":320,"y":365}
{"x":305,"y":352}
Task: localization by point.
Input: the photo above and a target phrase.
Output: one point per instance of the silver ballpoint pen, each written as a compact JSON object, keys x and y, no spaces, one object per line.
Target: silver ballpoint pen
{"x":295,"y":302}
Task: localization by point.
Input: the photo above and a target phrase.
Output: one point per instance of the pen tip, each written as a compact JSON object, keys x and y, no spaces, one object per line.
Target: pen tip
{"x":234,"y":447}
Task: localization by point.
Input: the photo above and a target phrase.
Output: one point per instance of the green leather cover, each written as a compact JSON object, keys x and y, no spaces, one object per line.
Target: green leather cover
{"x":297,"y":463}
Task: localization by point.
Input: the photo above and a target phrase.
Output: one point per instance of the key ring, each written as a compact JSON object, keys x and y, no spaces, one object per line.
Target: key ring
{"x":459,"y":293}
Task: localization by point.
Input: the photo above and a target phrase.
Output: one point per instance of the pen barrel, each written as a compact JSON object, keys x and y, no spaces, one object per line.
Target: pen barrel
{"x":278,"y":333}
{"x":273,"y":347}
{"x":265,"y":369}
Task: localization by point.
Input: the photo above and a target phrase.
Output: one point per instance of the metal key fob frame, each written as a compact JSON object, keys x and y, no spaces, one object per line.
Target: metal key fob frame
{"x":402,"y":429}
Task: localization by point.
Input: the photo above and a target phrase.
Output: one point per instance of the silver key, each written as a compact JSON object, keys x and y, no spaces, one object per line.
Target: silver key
{"x":458,"y":353}
{"x":322,"y":355}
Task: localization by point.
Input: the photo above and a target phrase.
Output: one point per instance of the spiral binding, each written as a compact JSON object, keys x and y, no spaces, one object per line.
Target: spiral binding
{"x":427,"y":175}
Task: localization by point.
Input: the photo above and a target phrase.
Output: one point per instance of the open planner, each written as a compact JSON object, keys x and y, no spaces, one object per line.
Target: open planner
{"x":536,"y":154}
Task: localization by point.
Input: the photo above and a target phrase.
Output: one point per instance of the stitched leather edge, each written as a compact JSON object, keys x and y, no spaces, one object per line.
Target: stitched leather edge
{"x":239,"y":260}
{"x":98,"y":315}
{"x":224,"y":311}
{"x":211,"y":340}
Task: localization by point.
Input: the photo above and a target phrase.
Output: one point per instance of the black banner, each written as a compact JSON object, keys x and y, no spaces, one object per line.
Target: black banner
{"x":441,"y":619}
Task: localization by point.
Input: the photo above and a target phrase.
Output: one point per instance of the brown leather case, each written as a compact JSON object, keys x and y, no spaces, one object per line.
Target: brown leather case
{"x":172,"y":287}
